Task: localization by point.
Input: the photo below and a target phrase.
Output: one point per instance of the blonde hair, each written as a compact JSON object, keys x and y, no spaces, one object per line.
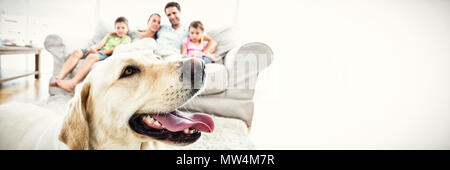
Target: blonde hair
{"x":197,"y":25}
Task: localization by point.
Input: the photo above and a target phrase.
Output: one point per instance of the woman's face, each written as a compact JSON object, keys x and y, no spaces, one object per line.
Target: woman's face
{"x":154,"y":23}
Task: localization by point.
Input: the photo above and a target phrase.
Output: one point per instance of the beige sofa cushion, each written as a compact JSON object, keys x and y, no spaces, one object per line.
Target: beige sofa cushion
{"x":226,"y":40}
{"x":216,"y":79}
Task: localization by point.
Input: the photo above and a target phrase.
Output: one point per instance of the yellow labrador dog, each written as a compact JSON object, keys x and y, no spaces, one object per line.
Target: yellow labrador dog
{"x":127,"y":100}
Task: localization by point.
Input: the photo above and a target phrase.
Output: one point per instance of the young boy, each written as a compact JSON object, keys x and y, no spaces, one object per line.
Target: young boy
{"x":95,"y":53}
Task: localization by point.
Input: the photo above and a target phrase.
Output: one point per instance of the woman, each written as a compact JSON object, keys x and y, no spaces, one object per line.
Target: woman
{"x":153,"y":23}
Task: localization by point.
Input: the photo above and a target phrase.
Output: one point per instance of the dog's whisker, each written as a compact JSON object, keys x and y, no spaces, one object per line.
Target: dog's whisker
{"x":185,"y":108}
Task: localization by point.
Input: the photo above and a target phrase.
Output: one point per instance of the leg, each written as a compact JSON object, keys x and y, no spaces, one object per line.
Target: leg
{"x":71,"y":62}
{"x":69,"y":85}
{"x":206,"y":59}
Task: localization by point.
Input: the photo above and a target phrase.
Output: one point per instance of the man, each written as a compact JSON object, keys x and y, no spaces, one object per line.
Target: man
{"x":170,"y":38}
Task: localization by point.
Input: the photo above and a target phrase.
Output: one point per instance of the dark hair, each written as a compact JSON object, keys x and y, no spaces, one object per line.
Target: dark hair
{"x":197,"y":25}
{"x":152,"y":15}
{"x":121,"y":19}
{"x":172,"y":4}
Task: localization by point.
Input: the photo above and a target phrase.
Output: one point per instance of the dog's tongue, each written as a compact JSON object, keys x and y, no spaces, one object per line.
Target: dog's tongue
{"x":178,"y":121}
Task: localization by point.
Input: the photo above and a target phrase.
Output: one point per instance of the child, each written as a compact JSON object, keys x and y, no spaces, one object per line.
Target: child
{"x":95,"y":53}
{"x":195,"y":44}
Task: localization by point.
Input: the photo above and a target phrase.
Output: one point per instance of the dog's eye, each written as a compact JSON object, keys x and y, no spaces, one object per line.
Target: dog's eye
{"x":128,"y":71}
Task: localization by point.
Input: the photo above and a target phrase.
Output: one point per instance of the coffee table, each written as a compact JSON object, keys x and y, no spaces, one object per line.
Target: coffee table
{"x":6,"y":75}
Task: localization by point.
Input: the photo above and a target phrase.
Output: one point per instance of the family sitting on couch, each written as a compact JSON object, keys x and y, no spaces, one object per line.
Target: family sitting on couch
{"x":174,"y":42}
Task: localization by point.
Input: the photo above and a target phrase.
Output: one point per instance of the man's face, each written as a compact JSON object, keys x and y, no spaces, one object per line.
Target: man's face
{"x":174,"y":15}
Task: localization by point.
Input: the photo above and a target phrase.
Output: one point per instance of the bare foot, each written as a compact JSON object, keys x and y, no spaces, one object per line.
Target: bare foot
{"x":66,"y":85}
{"x":53,"y":83}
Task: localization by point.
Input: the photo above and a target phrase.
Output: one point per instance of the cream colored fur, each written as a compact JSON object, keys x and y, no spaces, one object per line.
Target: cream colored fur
{"x":97,"y":116}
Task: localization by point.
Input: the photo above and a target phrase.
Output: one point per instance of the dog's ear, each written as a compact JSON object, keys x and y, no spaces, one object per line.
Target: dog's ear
{"x":75,"y":130}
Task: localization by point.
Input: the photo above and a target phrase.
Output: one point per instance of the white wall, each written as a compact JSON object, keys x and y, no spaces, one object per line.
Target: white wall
{"x":347,"y":74}
{"x":78,"y":18}
{"x":43,"y":17}
{"x":213,"y":13}
{"x":360,"y":74}
{"x":40,"y":18}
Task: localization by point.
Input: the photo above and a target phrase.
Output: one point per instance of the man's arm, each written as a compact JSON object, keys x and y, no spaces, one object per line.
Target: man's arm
{"x":212,"y":44}
{"x":183,"y":49}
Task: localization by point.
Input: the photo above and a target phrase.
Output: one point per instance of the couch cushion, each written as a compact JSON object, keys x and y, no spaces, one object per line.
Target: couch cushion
{"x":101,"y":29}
{"x":220,"y":104}
{"x":216,"y":79}
{"x":226,"y":39}
{"x":62,"y":46}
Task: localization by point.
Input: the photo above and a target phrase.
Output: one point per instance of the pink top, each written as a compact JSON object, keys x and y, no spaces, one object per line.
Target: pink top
{"x":193,"y":48}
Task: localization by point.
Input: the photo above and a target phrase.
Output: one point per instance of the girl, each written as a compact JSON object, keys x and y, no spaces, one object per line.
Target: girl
{"x":195,"y":44}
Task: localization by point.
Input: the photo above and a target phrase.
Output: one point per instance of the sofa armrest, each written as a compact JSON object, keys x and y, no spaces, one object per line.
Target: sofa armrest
{"x":55,"y":46}
{"x":243,"y":64}
{"x":61,"y":46}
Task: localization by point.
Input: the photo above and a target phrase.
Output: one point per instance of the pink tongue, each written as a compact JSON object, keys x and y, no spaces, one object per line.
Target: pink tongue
{"x":178,"y":121}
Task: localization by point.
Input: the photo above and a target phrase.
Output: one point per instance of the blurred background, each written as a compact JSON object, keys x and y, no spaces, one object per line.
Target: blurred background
{"x":349,"y":74}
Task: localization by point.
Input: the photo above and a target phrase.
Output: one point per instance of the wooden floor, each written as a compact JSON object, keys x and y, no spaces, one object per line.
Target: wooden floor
{"x":26,"y":89}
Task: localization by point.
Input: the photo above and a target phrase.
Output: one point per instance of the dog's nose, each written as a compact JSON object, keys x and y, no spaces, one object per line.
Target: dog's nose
{"x":193,"y":73}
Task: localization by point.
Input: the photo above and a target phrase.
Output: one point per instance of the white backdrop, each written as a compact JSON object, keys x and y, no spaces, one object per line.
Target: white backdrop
{"x":354,"y":74}
{"x":213,"y":13}
{"x":349,"y":74}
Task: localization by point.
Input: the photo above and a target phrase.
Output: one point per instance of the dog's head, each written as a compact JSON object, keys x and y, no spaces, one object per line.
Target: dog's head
{"x":134,"y":96}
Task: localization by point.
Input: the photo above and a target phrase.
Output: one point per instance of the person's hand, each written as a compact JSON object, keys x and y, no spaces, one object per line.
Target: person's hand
{"x":192,"y":55}
{"x":91,"y":50}
{"x":209,"y":55}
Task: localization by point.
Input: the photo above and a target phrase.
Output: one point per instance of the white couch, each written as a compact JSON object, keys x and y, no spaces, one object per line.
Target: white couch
{"x":230,"y":81}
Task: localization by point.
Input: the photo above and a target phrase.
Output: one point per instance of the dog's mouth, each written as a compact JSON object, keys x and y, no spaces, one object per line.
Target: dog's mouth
{"x":175,"y":126}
